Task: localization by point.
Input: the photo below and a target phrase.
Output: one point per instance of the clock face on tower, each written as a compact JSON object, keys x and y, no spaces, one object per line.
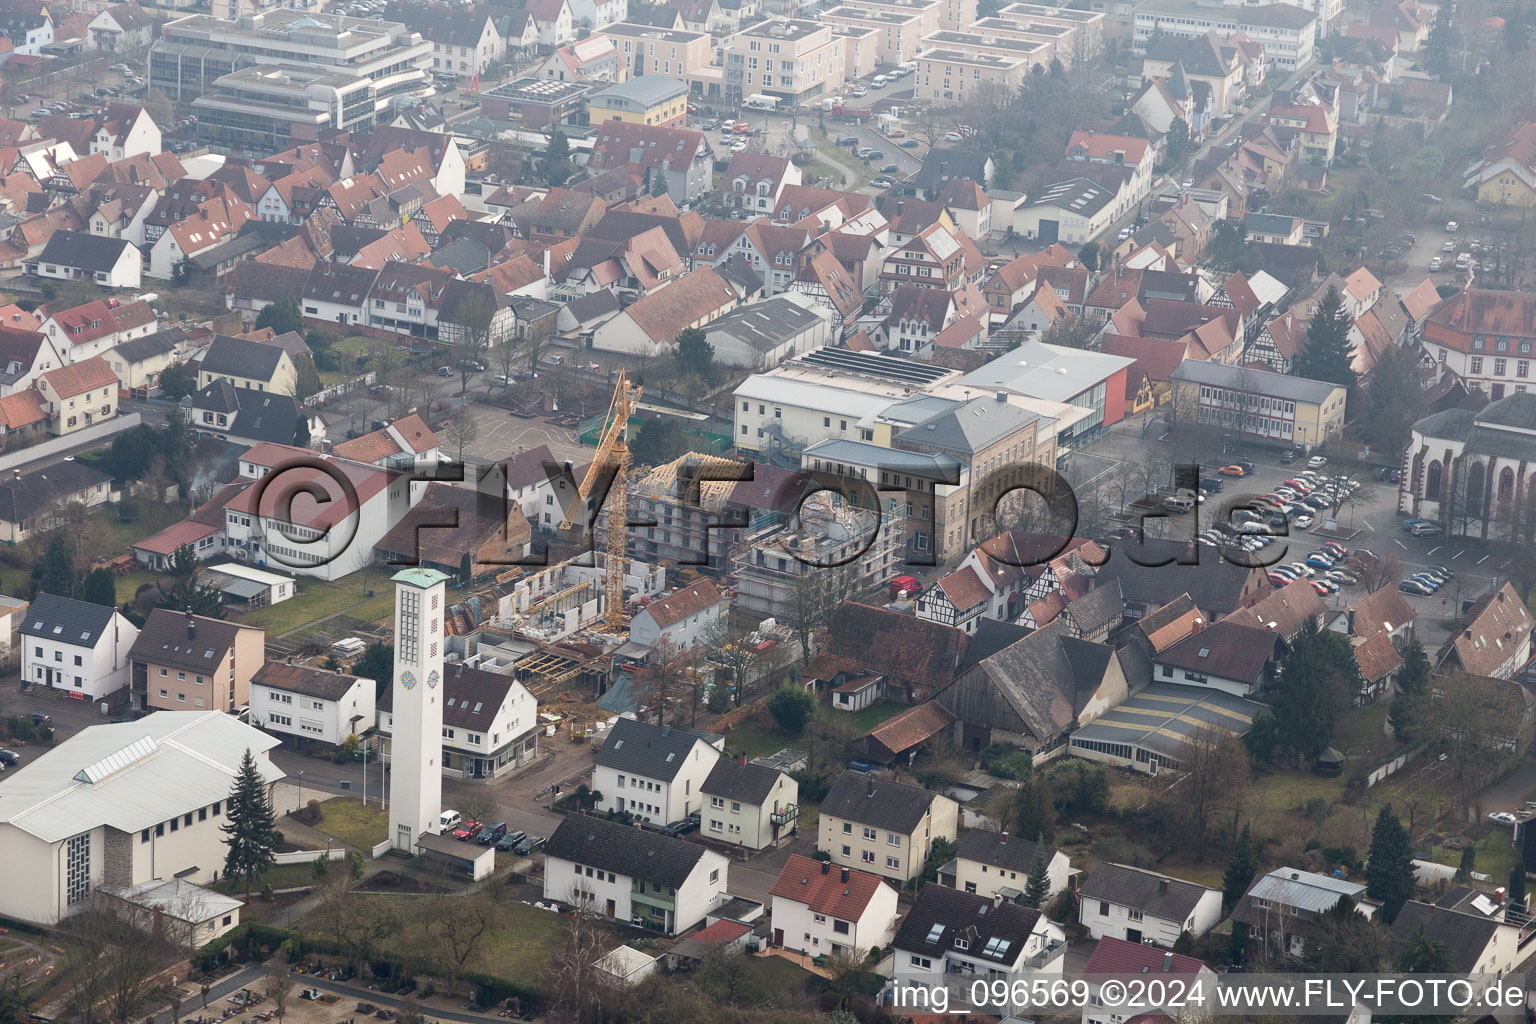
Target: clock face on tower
{"x":432,"y":678}
{"x":408,"y":679}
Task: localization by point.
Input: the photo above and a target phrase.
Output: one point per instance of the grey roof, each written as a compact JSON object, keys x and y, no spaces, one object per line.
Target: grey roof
{"x":940,"y":466}
{"x":1448,"y":424}
{"x":1467,"y":935}
{"x":749,"y":783}
{"x":65,"y":620}
{"x":1051,"y":372}
{"x":42,"y":489}
{"x":1270,"y":223}
{"x":941,"y":916}
{"x":1013,"y":853}
{"x":155,"y":344}
{"x":594,"y":306}
{"x":1080,"y":195}
{"x":645,"y":90}
{"x":1215,"y":584}
{"x":83,"y":251}
{"x":1517,"y":410}
{"x":765,"y":326}
{"x":640,"y":748}
{"x":916,"y":409}
{"x":165,"y":640}
{"x":879,"y":803}
{"x":1170,"y":899}
{"x":259,"y":415}
{"x":1163,"y":717}
{"x":624,"y":849}
{"x":236,"y":357}
{"x":1104,"y":605}
{"x":1304,"y":890}
{"x":1046,"y":678}
{"x":941,"y":165}
{"x":970,"y":427}
{"x":1254,"y":381}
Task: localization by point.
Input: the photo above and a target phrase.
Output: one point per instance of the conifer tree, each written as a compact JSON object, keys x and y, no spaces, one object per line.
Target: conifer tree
{"x":1240,"y":870}
{"x":1328,"y":354}
{"x":1389,"y":874}
{"x":251,"y":826}
{"x":1039,"y":885}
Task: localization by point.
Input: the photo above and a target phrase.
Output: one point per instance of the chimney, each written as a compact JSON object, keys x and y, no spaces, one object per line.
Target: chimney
{"x":1167,"y":962}
{"x":845,"y":876}
{"x":826,"y":867}
{"x":1162,"y":887}
{"x":666,"y":730}
{"x":191,"y":625}
{"x":869,"y":786}
{"x":1002,"y":396}
{"x":743,"y":760}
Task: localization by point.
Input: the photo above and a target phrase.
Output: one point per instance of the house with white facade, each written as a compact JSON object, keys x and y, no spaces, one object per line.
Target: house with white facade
{"x":1476,"y":928}
{"x":96,"y":327}
{"x":681,"y":618}
{"x":326,"y":540}
{"x":655,"y":772}
{"x":631,"y":875}
{"x":1128,"y":903}
{"x":1116,"y":958}
{"x":750,"y":805}
{"x":78,"y":256}
{"x":952,"y":932}
{"x":311,"y":705}
{"x":75,"y":646}
{"x":120,"y":805}
{"x":998,"y":864}
{"x":490,"y":721}
{"x":820,"y":909}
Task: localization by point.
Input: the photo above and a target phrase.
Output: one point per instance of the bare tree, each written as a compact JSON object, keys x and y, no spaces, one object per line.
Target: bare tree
{"x":729,"y":646}
{"x":356,"y":923}
{"x":534,"y":339}
{"x":462,"y":431}
{"x":472,"y":324}
{"x":1215,"y":767}
{"x":663,"y":680}
{"x":818,"y":592}
{"x":506,"y":361}
{"x":401,"y":399}
{"x":461,"y":920}
{"x":278,"y":987}
{"x":1382,"y":570}
{"x":580,"y":991}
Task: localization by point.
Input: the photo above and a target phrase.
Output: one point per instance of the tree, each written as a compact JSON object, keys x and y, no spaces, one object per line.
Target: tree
{"x":462,"y":430}
{"x":1389,"y":872}
{"x":792,"y":708}
{"x":184,"y":593}
{"x":278,"y":987}
{"x":1421,"y":954}
{"x":1329,"y":353}
{"x":282,"y":317}
{"x":1240,"y":870}
{"x":1088,"y":256}
{"x":695,"y":355}
{"x":1318,"y":677}
{"x":578,"y":991}
{"x":1035,"y":811}
{"x":1227,"y":250}
{"x":1070,"y":332}
{"x":100,"y":588}
{"x":1177,"y":142}
{"x":1038,"y":889}
{"x":301,"y":437}
{"x":57,"y":567}
{"x":251,"y":828}
{"x":1517,"y":885}
{"x":1216,"y":776}
{"x":458,"y":921}
{"x":659,"y":440}
{"x":730,"y":647}
{"x":557,"y":159}
{"x":1468,"y":864}
{"x":815,"y":596}
{"x":177,"y":381}
{"x":533,"y":343}
{"x":1437,"y":48}
{"x":1344,"y":941}
{"x":660,"y":684}
{"x":306,"y":380}
{"x":1410,"y":709}
{"x":377,"y":662}
{"x":474,"y":318}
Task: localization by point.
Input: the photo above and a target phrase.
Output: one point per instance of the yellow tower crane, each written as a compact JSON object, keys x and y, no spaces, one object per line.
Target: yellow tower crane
{"x":612,"y":451}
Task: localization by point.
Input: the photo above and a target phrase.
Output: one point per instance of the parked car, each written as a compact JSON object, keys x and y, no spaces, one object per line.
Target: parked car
{"x":1303,"y":521}
{"x":1450,"y":227}
{"x":1503,"y":819}
{"x":1436,"y":263}
{"x":9,"y":757}
{"x":1317,"y":462}
{"x":445,"y":371}
{"x":1426,"y":530}
{"x":1231,"y":471}
{"x":1337,"y":549}
{"x":848,"y":140}
{"x":1414,"y":587}
{"x":682,"y":828}
{"x":491,"y":833}
{"x":1321,"y":587}
{"x":466,"y":830}
{"x":1288,"y":456}
{"x":890,"y":169}
{"x":1407,"y":525}
{"x":911,"y":144}
{"x":38,"y":718}
{"x":472,"y":364}
{"x":882,"y":183}
{"x":508,"y":842}
{"x":528,"y":844}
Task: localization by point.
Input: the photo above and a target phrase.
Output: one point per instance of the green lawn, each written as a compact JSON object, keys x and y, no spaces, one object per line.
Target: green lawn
{"x":756,"y":740}
{"x":353,"y":345}
{"x":867,"y":718}
{"x":330,"y":378}
{"x":129,"y":585}
{"x":778,"y":975}
{"x":1495,"y":856}
{"x":361,"y":828}
{"x":1361,"y":730}
{"x":320,"y":599}
{"x":282,"y":876}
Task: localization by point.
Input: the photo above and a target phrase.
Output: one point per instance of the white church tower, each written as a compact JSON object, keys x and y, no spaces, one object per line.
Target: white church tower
{"x":416,"y":744}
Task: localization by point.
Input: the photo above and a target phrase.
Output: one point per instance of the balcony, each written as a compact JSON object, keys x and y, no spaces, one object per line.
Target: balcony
{"x":1052,"y":950}
{"x":781,"y":818}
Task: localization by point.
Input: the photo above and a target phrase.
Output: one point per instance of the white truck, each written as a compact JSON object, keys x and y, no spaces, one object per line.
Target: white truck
{"x":759,"y":101}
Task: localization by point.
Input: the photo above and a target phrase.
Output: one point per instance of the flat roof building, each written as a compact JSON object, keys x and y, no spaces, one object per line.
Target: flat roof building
{"x":1150,"y":729}
{"x":195,"y":52}
{"x":949,"y":76}
{"x":792,"y":59}
{"x":266,"y":106}
{"x":535,"y":102}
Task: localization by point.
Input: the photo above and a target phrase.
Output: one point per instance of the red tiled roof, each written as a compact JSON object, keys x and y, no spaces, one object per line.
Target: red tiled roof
{"x":679,"y":605}
{"x":174,"y":536}
{"x":22,"y":409}
{"x":1376,"y":657}
{"x":802,"y":881}
{"x":1381,"y":611}
{"x":912,"y":727}
{"x":78,"y":378}
{"x":964,"y":588}
{"x":1119,"y":957}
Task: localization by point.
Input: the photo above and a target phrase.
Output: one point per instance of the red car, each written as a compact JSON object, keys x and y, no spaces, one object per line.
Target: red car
{"x":466,"y":830}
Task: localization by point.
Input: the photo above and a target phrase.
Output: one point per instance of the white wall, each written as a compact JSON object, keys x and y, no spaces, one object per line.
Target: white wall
{"x":812,"y":933}
{"x":662,"y":802}
{"x":314,"y":718}
{"x":986,"y":879}
{"x":1164,"y":933}
{"x":744,"y":823}
{"x":102,"y":669}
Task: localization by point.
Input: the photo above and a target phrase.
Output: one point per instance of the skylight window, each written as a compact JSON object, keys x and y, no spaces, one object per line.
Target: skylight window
{"x":934,"y":933}
{"x":997,"y":946}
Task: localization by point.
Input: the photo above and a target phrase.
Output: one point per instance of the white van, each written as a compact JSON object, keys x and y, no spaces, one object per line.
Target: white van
{"x":880,"y":81}
{"x":1179,"y":506}
{"x":448,"y":819}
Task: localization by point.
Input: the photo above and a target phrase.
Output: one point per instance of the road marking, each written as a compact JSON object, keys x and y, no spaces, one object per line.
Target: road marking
{"x":1400,"y":544}
{"x":1456,"y":555}
{"x":1368,"y":525}
{"x":1480,"y":561}
{"x":1437,"y":547}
